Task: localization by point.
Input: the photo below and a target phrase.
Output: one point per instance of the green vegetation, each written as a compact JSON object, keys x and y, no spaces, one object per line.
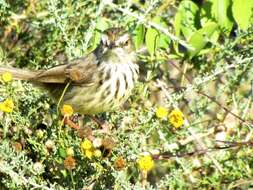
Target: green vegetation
{"x":188,"y":124}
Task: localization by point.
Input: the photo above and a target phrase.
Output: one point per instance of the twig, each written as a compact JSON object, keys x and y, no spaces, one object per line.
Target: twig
{"x":223,"y":107}
{"x":211,"y":98}
{"x":239,"y":183}
{"x":150,"y":24}
{"x":167,"y":155}
{"x":202,"y":145}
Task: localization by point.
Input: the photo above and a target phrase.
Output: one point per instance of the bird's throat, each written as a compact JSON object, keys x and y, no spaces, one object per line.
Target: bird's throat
{"x":117,"y":56}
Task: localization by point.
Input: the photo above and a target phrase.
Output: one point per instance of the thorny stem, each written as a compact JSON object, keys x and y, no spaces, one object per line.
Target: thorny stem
{"x":223,"y":107}
{"x":232,"y":144}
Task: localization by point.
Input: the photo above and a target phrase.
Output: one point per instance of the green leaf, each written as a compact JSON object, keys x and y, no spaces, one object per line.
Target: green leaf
{"x":205,"y":12}
{"x":163,"y":41}
{"x":154,"y":39}
{"x":151,"y":40}
{"x":139,"y":35}
{"x":102,"y":24}
{"x":64,"y":173}
{"x":62,"y":152}
{"x":200,"y":38}
{"x":206,"y":17}
{"x":177,"y":23}
{"x":243,"y":12}
{"x":177,"y":26}
{"x":185,"y":19}
{"x":95,"y":41}
{"x":221,"y":12}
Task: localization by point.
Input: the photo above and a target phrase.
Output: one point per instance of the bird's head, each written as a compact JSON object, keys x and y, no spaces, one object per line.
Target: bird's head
{"x":117,"y":38}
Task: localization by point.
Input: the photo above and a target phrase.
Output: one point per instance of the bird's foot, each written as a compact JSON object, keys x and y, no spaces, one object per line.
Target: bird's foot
{"x":106,"y":128}
{"x":71,"y":124}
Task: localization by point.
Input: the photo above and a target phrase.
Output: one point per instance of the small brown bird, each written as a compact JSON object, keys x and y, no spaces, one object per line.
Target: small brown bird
{"x":98,"y":82}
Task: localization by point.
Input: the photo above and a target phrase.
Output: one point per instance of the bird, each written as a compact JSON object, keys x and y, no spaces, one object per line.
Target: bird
{"x":98,"y":82}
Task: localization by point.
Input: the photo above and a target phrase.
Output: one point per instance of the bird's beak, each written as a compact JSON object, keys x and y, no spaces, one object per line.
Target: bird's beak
{"x":111,"y":45}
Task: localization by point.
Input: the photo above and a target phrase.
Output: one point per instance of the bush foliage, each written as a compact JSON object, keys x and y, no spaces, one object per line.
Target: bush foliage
{"x":187,"y":125}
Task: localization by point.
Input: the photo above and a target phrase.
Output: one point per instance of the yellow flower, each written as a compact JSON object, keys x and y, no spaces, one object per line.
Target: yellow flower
{"x":88,"y":153}
{"x":161,"y":112}
{"x":176,"y":118}
{"x":146,"y":163}
{"x":7,"y":106}
{"x":67,"y":110}
{"x":86,"y":144}
{"x":7,"y":77}
{"x":70,"y":151}
{"x":97,"y":153}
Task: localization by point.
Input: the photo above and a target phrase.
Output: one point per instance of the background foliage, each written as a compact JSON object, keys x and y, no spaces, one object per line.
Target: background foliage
{"x":195,"y":56}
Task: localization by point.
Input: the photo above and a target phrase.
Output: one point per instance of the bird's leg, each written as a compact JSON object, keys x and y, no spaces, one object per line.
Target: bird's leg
{"x":70,"y":123}
{"x":83,"y":131}
{"x":106,"y":128}
{"x":97,"y":121}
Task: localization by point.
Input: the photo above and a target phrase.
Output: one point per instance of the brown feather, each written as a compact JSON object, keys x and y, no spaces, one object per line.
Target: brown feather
{"x":20,"y":74}
{"x":78,"y":71}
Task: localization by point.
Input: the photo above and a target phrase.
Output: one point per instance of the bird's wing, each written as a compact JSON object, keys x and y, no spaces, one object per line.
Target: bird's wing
{"x":79,"y":71}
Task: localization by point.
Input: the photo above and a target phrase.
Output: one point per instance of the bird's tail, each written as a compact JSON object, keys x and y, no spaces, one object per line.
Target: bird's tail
{"x":19,"y":74}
